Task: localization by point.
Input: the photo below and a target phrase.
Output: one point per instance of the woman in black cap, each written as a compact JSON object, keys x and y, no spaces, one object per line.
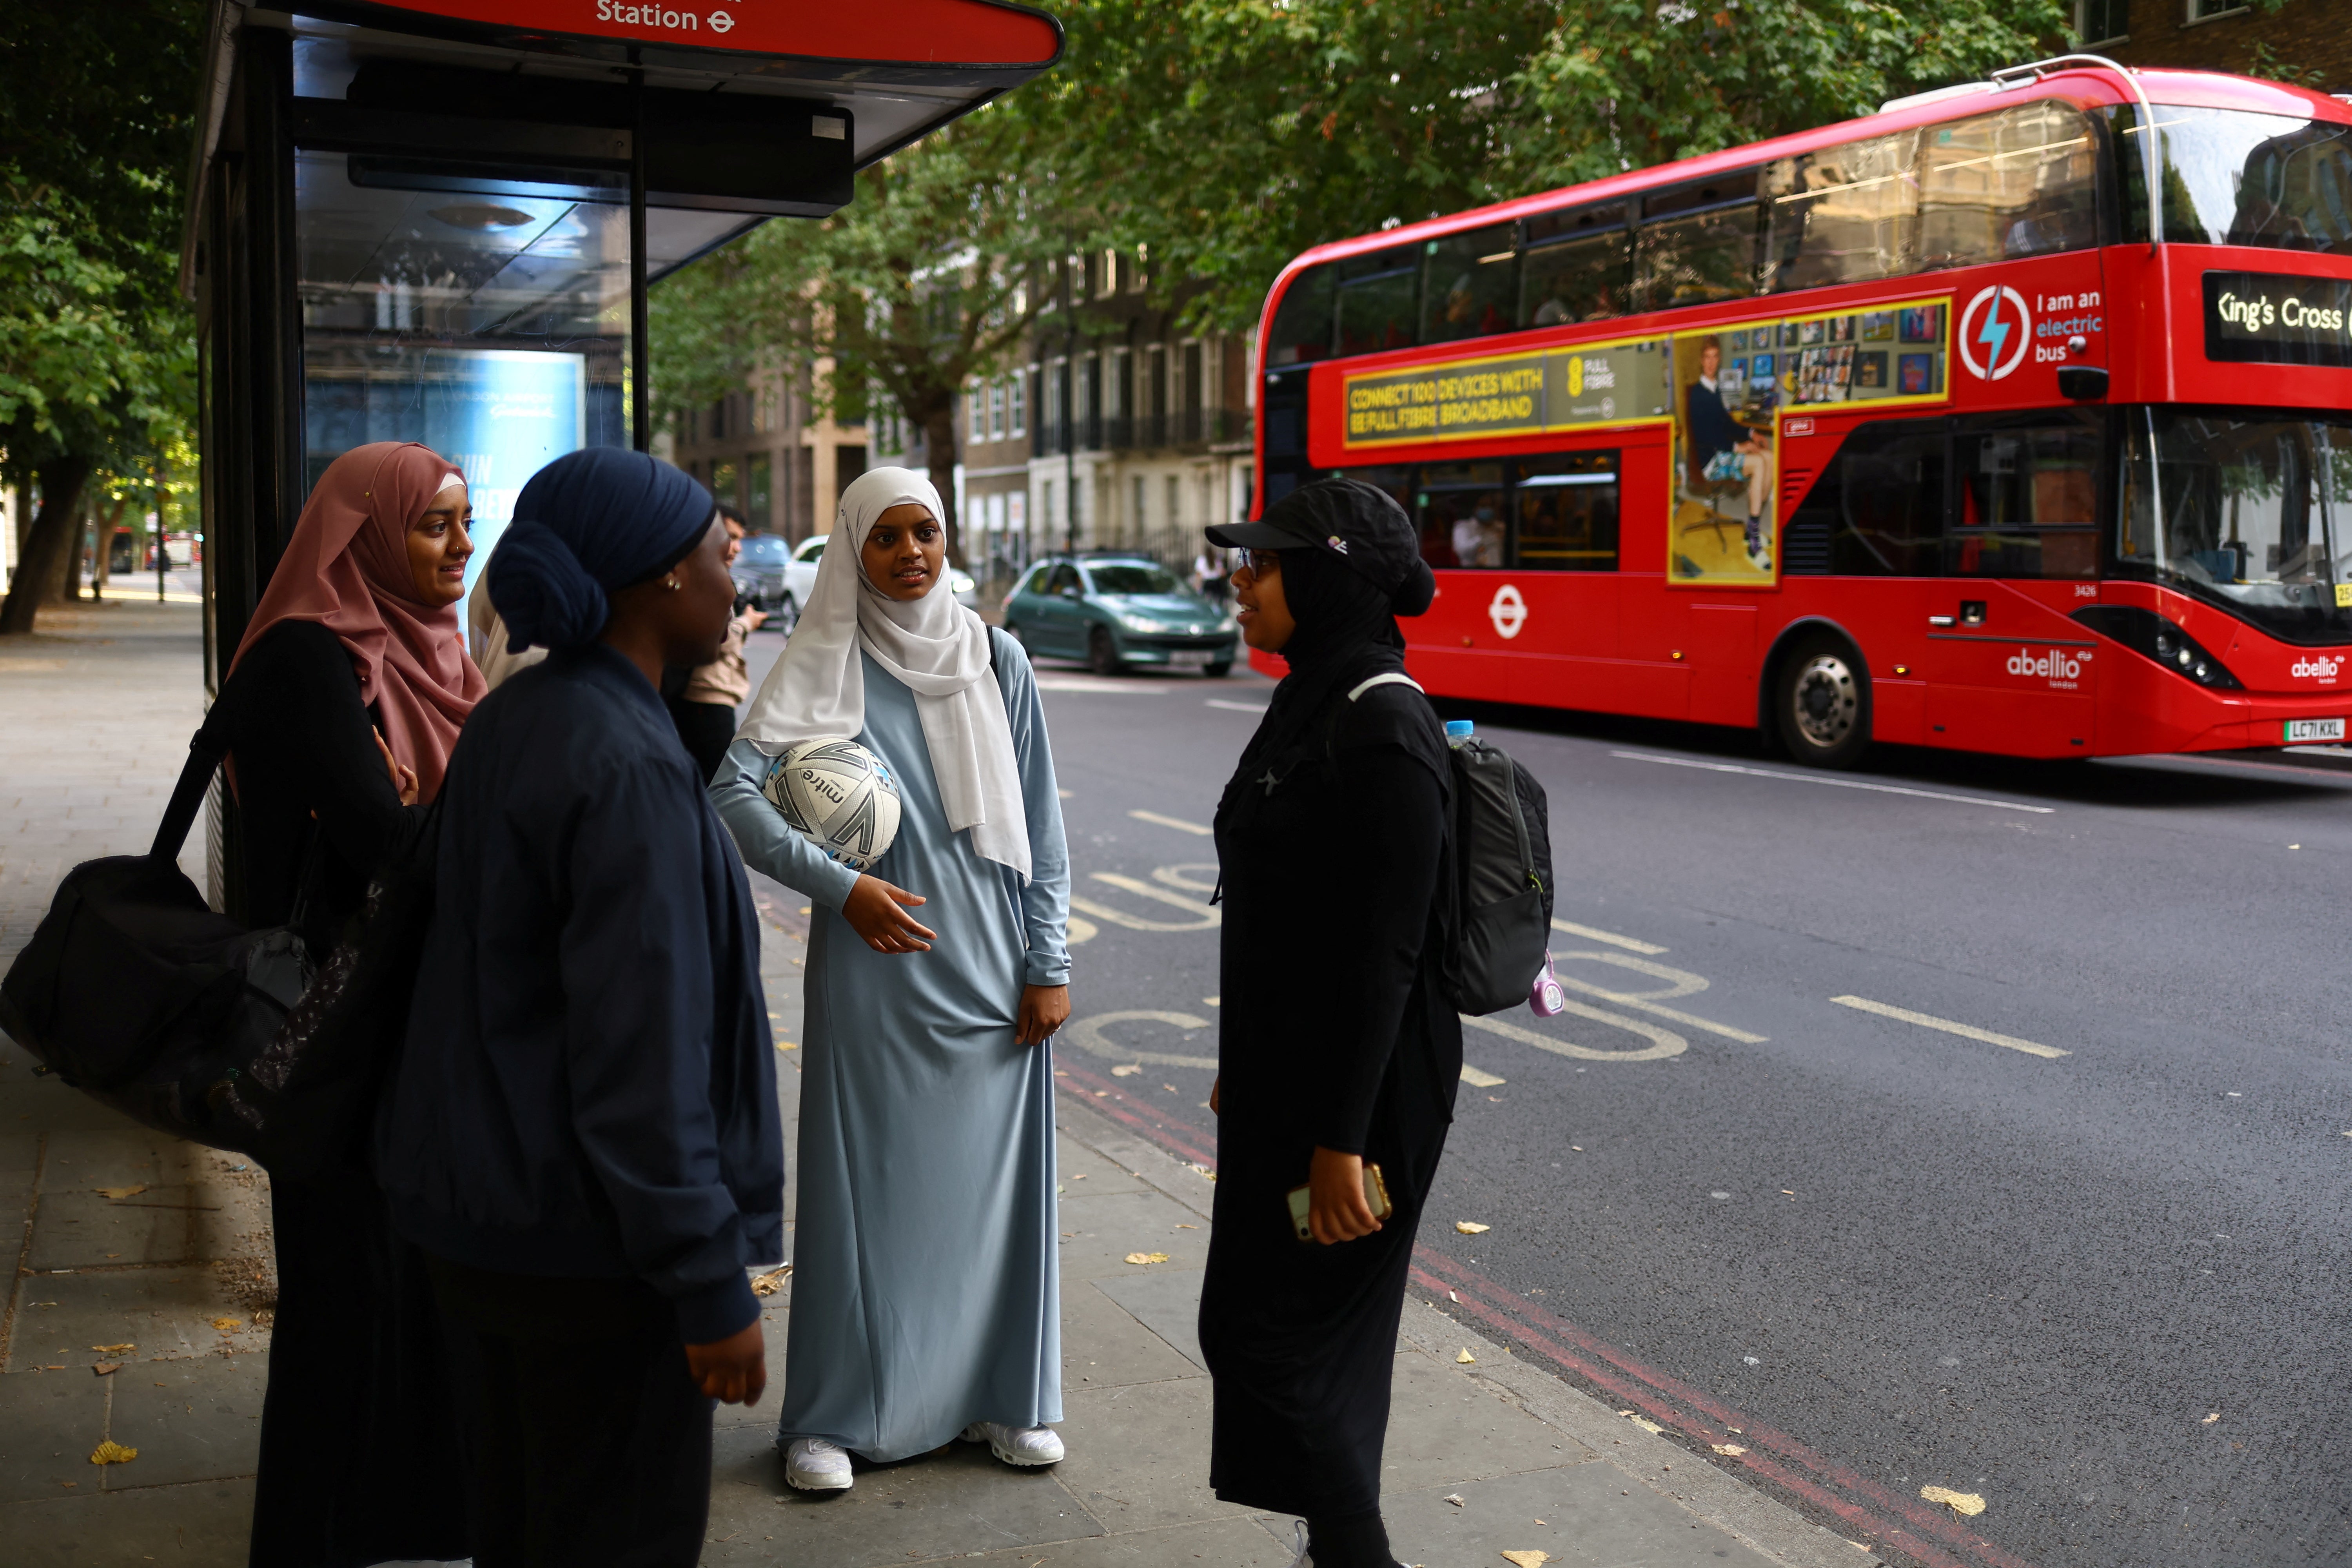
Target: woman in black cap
{"x":1337,"y":1051}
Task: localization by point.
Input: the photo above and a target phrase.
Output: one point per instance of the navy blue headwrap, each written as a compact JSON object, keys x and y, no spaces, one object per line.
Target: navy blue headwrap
{"x":587,"y":525}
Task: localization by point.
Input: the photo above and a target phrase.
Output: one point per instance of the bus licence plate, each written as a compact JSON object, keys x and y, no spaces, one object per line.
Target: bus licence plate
{"x":2303,"y":731}
{"x":1196,"y":659}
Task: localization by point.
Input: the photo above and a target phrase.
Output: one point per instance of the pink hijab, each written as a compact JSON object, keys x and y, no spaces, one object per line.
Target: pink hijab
{"x":347,"y":569}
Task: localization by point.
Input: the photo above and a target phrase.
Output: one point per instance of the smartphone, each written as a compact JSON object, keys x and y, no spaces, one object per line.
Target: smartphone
{"x":1376,"y":1197}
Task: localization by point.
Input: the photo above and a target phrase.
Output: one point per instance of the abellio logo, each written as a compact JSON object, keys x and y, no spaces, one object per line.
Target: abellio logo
{"x":2053,"y":665}
{"x":2319,"y":665}
{"x":1995,"y":332}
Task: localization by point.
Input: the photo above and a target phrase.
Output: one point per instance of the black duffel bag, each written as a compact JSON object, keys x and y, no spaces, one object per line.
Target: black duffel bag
{"x":137,"y":992}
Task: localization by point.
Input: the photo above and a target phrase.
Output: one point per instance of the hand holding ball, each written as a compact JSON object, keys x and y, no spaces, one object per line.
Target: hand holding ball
{"x":838,"y":795}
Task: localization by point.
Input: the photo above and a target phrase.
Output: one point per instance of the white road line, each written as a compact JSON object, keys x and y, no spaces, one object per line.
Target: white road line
{"x":1692,"y":1019}
{"x":1832,"y":783}
{"x":1178,"y":823}
{"x":1095,"y":683}
{"x":1611,"y":938}
{"x":1236,"y":707}
{"x":1968,"y":1031}
{"x":1477,"y":1080}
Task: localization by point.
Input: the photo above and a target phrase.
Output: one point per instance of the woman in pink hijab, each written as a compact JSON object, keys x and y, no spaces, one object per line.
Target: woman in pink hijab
{"x":342,"y":705}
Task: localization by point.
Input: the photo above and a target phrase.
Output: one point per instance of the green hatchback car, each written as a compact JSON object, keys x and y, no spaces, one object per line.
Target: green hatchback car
{"x":1118,"y":612}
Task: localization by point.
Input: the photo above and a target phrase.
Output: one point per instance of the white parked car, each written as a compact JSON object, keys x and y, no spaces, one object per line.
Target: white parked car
{"x":800,"y":581}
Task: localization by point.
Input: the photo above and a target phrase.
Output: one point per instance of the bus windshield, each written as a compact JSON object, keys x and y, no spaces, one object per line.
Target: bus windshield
{"x":2235,"y":178}
{"x":2241,"y":511}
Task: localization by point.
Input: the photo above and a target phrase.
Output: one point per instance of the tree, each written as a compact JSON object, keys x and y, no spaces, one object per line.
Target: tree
{"x":97,"y":351}
{"x":928,"y":279}
{"x":1229,"y":135}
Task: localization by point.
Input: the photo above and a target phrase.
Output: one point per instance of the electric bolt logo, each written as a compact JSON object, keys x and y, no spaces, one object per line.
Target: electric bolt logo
{"x":2320,"y":665}
{"x":1995,"y":331}
{"x":2050,"y":665}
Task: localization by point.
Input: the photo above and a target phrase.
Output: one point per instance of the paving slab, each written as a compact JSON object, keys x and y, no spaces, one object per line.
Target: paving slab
{"x":1444,"y":1427}
{"x":1104,"y":1346}
{"x":1226,"y":1543}
{"x":50,"y":1422}
{"x":1592,"y":1518}
{"x":164,"y":1314}
{"x":1165,"y":1300}
{"x":956,"y":1500}
{"x":1097,"y":1232}
{"x":206,"y":1525}
{"x":1138,"y":1456}
{"x":190,"y":1422}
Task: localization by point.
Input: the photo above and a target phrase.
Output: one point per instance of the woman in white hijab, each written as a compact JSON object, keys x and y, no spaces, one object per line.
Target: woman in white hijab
{"x":926,"y":1290}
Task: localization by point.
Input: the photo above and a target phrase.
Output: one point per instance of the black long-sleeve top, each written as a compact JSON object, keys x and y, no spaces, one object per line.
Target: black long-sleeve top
{"x":588,"y":1087}
{"x":303,"y":743}
{"x":1330,"y":942}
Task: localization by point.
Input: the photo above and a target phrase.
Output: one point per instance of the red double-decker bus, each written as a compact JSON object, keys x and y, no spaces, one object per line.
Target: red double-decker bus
{"x":1991,"y":421}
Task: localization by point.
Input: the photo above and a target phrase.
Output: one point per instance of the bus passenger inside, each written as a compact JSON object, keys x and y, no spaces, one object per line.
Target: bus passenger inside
{"x":1724,"y":450}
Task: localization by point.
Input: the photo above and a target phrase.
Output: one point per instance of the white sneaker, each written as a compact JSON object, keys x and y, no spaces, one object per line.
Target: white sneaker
{"x":815,"y":1465}
{"x":1022,"y":1445}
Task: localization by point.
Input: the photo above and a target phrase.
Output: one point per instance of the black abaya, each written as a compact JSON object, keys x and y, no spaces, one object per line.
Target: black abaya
{"x":361,"y":1457}
{"x":1333,"y":1032}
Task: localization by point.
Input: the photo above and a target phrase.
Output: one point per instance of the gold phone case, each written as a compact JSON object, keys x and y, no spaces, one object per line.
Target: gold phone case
{"x":1376,"y":1196}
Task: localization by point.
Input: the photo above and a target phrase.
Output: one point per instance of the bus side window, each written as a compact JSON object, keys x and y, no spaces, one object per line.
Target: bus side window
{"x":2028,"y":497}
{"x":1473,"y":284}
{"x":1577,"y":265}
{"x":1698,"y":243}
{"x":1877,"y":508}
{"x":1463,"y":514}
{"x":2023,"y":182}
{"x":1565,"y":517}
{"x":1302,"y":324}
{"x":1379,"y":300}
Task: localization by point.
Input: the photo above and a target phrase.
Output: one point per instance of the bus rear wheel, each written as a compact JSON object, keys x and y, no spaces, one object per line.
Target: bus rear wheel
{"x":1824,"y":704}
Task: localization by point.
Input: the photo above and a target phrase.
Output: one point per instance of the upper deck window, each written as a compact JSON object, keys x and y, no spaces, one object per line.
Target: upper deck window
{"x":2019,"y":181}
{"x":1302,"y":327}
{"x":1697,"y":242}
{"x":1472,"y":284}
{"x":1380,"y":298}
{"x":2231,"y":177}
{"x":1578,"y":267}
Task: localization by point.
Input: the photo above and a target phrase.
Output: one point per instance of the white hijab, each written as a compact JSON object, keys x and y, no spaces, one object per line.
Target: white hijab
{"x":933,"y":646}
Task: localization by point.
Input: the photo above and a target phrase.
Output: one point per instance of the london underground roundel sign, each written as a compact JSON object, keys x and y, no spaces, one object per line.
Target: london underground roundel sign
{"x":1993,"y":334}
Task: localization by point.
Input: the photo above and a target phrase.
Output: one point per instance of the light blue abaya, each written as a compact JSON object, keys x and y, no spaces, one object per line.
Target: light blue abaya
{"x":926,"y":1286}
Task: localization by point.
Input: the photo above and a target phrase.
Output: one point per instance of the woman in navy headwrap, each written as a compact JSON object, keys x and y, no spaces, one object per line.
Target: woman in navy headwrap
{"x":581,"y":1133}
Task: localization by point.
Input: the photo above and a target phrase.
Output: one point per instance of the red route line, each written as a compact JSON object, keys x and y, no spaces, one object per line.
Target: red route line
{"x":1866,"y":1505}
{"x":1111,"y":1102}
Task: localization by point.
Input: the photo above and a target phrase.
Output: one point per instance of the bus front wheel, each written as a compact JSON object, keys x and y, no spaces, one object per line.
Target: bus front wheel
{"x":1823,"y":706}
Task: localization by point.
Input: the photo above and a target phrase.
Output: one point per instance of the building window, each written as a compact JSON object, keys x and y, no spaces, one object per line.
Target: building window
{"x":996,"y":411}
{"x":2102,"y":21}
{"x":1175,"y":502}
{"x":975,"y":420}
{"x":2206,"y":10}
{"x":1019,"y":412}
{"x":762,"y":509}
{"x":1142,"y":522}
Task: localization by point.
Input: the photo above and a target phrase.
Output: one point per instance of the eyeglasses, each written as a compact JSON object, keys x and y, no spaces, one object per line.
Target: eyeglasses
{"x":1263,"y":563}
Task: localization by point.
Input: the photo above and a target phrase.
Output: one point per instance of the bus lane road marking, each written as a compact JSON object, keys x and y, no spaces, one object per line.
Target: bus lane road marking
{"x":1967,"y":1031}
{"x":1205,"y":917}
{"x":1834,"y":783}
{"x":1231,"y":707}
{"x":1178,"y":823}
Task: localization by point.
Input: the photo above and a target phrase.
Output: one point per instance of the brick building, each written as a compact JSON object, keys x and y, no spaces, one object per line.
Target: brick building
{"x":2309,"y":36}
{"x":766,"y":450}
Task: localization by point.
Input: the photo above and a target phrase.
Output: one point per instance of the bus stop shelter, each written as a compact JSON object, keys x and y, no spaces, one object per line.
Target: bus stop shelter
{"x":435,"y":220}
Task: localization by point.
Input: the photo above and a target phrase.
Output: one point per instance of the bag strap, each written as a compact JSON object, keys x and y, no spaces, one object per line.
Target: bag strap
{"x":207,"y":750}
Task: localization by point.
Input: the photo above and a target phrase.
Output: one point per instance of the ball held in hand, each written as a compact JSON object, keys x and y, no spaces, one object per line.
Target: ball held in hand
{"x":838,"y":795}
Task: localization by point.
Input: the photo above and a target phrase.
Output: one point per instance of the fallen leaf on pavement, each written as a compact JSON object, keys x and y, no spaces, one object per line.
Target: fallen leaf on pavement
{"x":1127,"y":1069}
{"x":1967,"y":1503}
{"x":229,"y":1325}
{"x":112,"y":1453}
{"x":120,"y":1192}
{"x":1188,"y":1227}
{"x":1527,"y":1558}
{"x":1470,"y":1228}
{"x":1467,"y":1359}
{"x":103,"y":1367}
{"x":1645,"y":1423}
{"x":114,"y":1349}
{"x":1147,"y":1257}
{"x":1454,"y":1498}
{"x":2210,"y":1419}
{"x":770,"y":1282}
{"x":1734,"y":1449}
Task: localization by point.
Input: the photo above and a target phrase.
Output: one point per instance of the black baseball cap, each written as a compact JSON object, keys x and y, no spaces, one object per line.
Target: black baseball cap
{"x":1361,"y":524}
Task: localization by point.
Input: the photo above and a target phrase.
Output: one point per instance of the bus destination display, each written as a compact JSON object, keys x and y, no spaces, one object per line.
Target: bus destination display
{"x":2263,"y":318}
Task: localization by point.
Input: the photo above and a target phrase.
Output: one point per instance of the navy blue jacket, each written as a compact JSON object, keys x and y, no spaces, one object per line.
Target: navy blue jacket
{"x":588,"y":1087}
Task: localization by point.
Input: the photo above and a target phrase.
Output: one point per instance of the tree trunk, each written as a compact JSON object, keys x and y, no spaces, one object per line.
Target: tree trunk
{"x":48,"y":544}
{"x":939,"y":444}
{"x":107,"y":521}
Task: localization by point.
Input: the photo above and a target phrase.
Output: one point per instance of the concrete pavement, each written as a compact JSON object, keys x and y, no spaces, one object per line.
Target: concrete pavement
{"x":139,"y":1311}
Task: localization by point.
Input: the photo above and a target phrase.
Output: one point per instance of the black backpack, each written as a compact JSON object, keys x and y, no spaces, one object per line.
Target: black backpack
{"x":135,"y":992}
{"x":1499,"y":892}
